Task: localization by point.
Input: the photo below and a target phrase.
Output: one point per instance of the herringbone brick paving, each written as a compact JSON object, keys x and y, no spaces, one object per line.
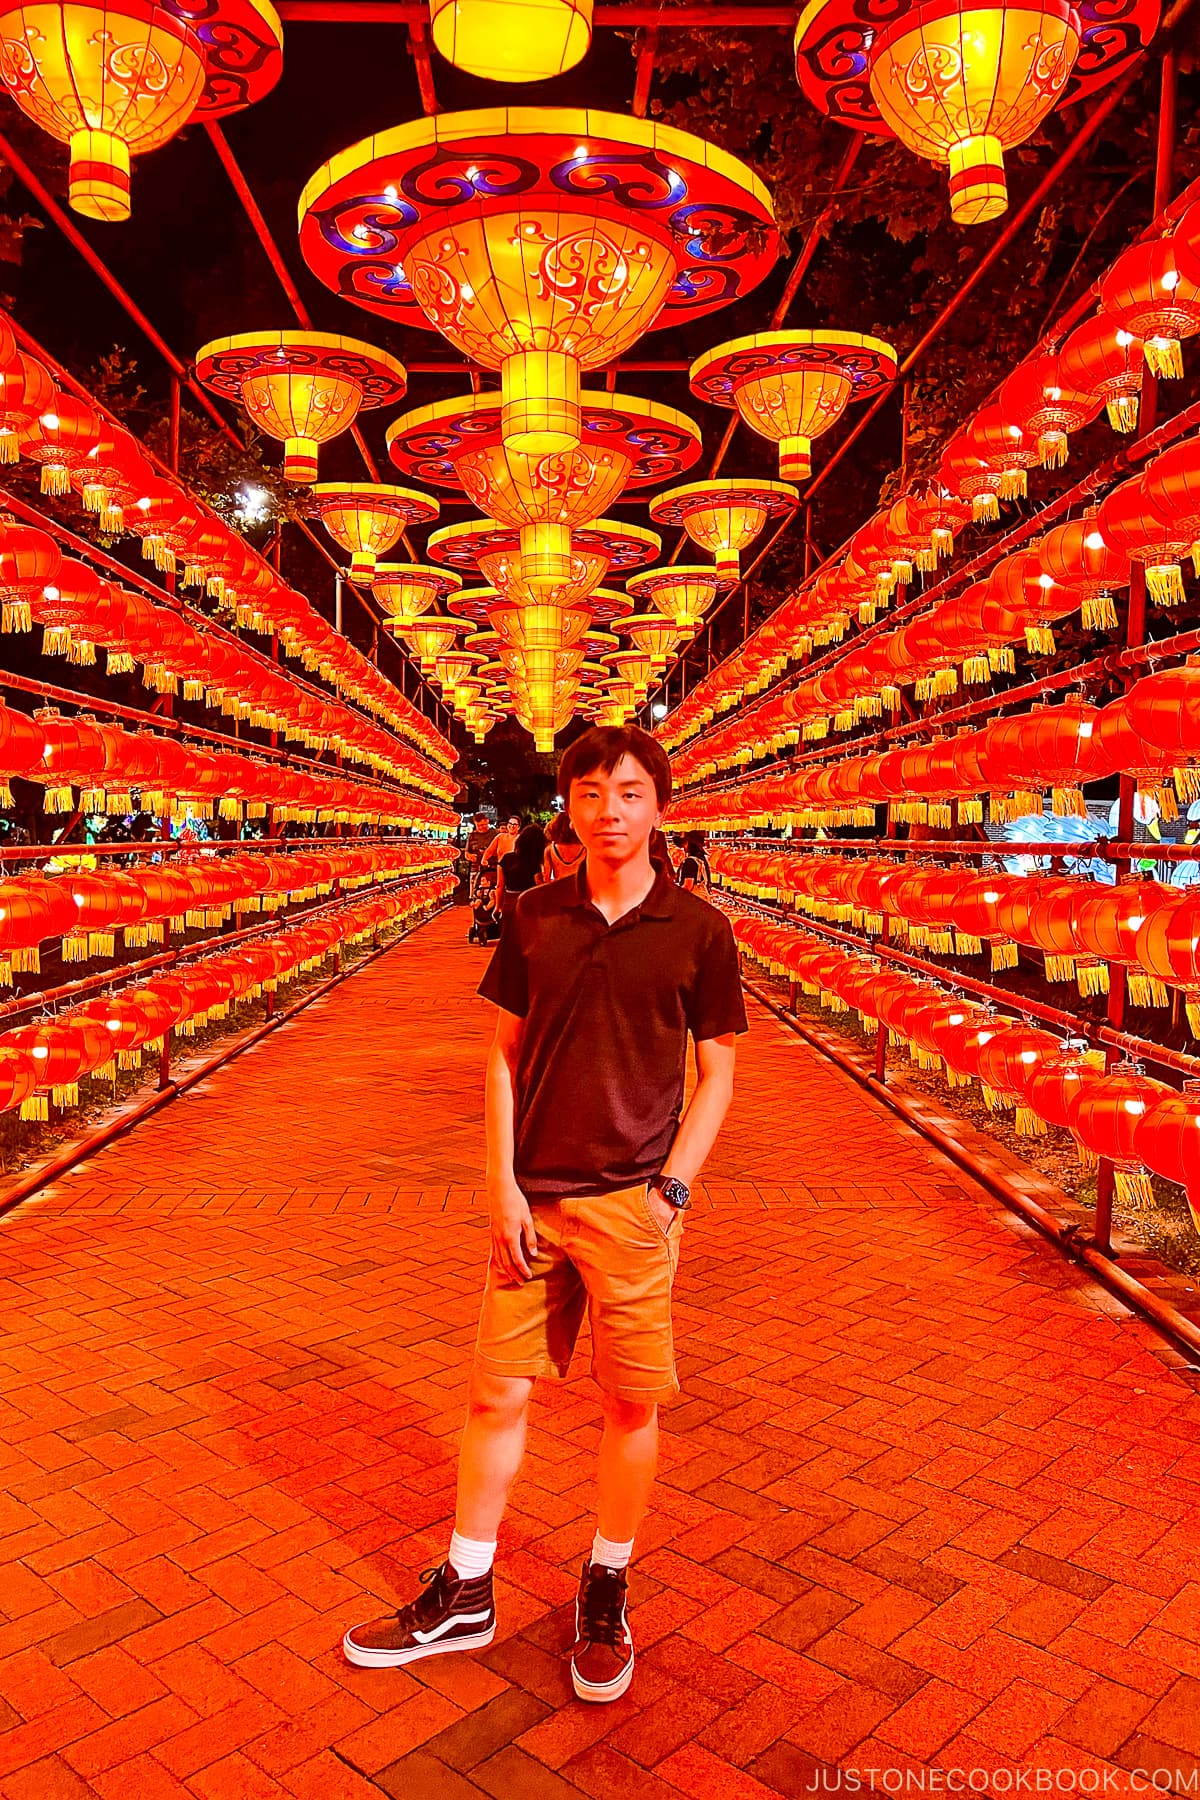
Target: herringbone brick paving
{"x":929,"y":1499}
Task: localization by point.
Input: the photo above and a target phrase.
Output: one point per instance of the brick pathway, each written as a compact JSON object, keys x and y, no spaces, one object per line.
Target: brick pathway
{"x":930,"y":1499}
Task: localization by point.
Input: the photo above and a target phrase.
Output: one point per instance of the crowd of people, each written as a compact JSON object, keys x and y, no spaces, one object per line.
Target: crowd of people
{"x":507,"y":859}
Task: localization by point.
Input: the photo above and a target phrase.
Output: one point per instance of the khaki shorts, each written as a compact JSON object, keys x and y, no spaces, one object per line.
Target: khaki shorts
{"x":603,"y":1253}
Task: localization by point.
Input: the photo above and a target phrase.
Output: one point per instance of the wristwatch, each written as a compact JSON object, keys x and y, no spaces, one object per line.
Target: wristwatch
{"x":675,"y":1193}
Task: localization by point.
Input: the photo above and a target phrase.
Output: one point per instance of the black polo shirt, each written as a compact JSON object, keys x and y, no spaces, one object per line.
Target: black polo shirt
{"x":607,"y":1011}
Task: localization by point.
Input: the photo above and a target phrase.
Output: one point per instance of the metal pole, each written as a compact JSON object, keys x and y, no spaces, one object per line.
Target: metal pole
{"x":175,"y":425}
{"x":337,"y":603}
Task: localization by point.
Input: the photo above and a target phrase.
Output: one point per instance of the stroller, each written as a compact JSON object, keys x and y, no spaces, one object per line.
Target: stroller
{"x":485,"y":914}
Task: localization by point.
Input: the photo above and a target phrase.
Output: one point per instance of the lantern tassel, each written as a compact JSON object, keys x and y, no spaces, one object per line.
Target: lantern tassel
{"x":1059,"y":968}
{"x":55,"y":479}
{"x":1192,"y":1007}
{"x":1187,"y":784}
{"x":976,"y":669}
{"x":1067,"y":803}
{"x":1030,"y":1123}
{"x":985,"y":506}
{"x":1133,"y":1188}
{"x":1039,"y":640}
{"x":1052,"y":448}
{"x":120,"y":662}
{"x":35,"y":1106}
{"x":65,"y":1095}
{"x":995,"y":1102}
{"x":956,"y":1078}
{"x":1164,"y":357}
{"x":26,"y":959}
{"x":1098,"y":613}
{"x":970,"y":812}
{"x":1091,"y":978}
{"x":1164,"y":584}
{"x":1004,"y":955}
{"x":15,"y":615}
{"x":966,"y":944}
{"x":1123,"y":411}
{"x":1146,"y":990}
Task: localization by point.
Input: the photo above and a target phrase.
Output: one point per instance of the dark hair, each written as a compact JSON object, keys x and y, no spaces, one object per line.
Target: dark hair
{"x":528,"y":852}
{"x":603,"y":747}
{"x":481,"y":818}
{"x":561,"y":830}
{"x":696,"y":843}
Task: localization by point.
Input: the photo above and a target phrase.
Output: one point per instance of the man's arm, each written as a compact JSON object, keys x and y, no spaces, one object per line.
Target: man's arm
{"x":513,"y":1235}
{"x":705,"y":1115}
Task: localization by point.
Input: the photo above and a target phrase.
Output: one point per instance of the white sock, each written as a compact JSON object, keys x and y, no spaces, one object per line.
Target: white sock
{"x":610,"y":1555}
{"x":469,"y":1558}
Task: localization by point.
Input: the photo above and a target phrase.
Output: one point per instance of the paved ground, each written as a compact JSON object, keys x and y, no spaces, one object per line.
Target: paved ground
{"x":930,"y":1500}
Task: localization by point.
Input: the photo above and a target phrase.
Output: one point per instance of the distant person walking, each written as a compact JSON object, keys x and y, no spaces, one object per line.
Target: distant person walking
{"x":564,"y":852}
{"x":694,"y":871}
{"x":520,"y":868}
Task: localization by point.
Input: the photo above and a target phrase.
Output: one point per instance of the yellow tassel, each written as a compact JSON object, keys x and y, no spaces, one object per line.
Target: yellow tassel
{"x":1087,"y":1158}
{"x":1187,"y":784}
{"x":970,"y":812}
{"x":1013,"y":485}
{"x":1133,"y":1188}
{"x":9,"y":448}
{"x":81,"y":653}
{"x":1004,"y":955}
{"x":1146,"y":990}
{"x":1164,"y":358}
{"x":105,"y":1072}
{"x":57,"y":800}
{"x":35,"y":1106}
{"x":1164,"y":583}
{"x":966,"y":944}
{"x":1192,"y":1008}
{"x":956,"y":1078}
{"x":1001,"y":657}
{"x":1067,"y":803}
{"x":1052,"y":448}
{"x":129,"y":1059}
{"x":1059,"y":968}
{"x":112,"y":518}
{"x":1029,"y":1123}
{"x":945,"y":681}
{"x":66,"y":1095}
{"x":101,"y":943}
{"x":5,"y":972}
{"x":1039,"y":640}
{"x":26,"y":959}
{"x":75,"y":949}
{"x":1098,"y":613}
{"x":985,"y":506}
{"x":55,"y":479}
{"x":939,"y":814}
{"x":1091,"y":978}
{"x":1168,"y":807}
{"x":870,"y":1025}
{"x":976,"y":669}
{"x":56,"y":640}
{"x":120,"y":662}
{"x":15,"y":615}
{"x":1123,"y":412}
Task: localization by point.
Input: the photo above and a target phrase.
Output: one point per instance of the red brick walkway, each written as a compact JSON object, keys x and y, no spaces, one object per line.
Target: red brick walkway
{"x":930,"y":1500}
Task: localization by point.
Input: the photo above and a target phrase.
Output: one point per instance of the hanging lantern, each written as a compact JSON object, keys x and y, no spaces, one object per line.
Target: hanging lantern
{"x":791,"y":386}
{"x":1079,"y":556}
{"x":304,"y":387}
{"x":1100,"y":357}
{"x":654,"y":633}
{"x":366,"y":519}
{"x":625,"y":443}
{"x":526,"y":255}
{"x":1152,"y":769}
{"x":29,"y":562}
{"x":1164,"y":710}
{"x":65,"y":608}
{"x":26,"y":391}
{"x":1132,"y":523}
{"x":1055,"y":1088}
{"x":1173,"y":489}
{"x":682,"y":592}
{"x":1037,"y":398}
{"x":1166,"y":1139}
{"x":595,"y":551}
{"x":1146,"y":292}
{"x":1167,"y":947}
{"x":1007,"y":1063}
{"x":429,"y":636}
{"x":406,"y":590}
{"x":61,"y":440}
{"x":1021,"y":585}
{"x":1105,"y":1116}
{"x":972,"y":478}
{"x":723,"y":517}
{"x":1106,"y":922}
{"x":512,"y":40}
{"x":1002,"y":444}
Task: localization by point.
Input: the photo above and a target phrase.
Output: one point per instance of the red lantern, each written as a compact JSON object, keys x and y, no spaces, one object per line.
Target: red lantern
{"x":26,"y":390}
{"x":1037,"y":397}
{"x":1164,"y":710}
{"x":1167,"y":946}
{"x":1000,"y":442}
{"x":60,"y":1051}
{"x":1100,"y":357}
{"x":1105,"y":1116}
{"x":979,"y":905}
{"x":1151,"y":768}
{"x":29,"y":561}
{"x":1173,"y":489}
{"x":21,"y":749}
{"x":1167,"y":1139}
{"x":31,"y":909}
{"x":18,"y":1076}
{"x":1146,"y":291}
{"x":1106,"y":922}
{"x":1054,"y":1089}
{"x":972,"y":478}
{"x":1007,"y":1063}
{"x":61,"y":440}
{"x":1080,"y":556}
{"x":65,"y":608}
{"x":1132,"y":522}
{"x":1022,"y":587}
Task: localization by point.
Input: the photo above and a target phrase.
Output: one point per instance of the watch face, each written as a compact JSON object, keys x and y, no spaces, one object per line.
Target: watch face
{"x":674,"y":1192}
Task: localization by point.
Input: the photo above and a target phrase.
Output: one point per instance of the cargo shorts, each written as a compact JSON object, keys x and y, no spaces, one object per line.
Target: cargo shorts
{"x":605,"y":1255}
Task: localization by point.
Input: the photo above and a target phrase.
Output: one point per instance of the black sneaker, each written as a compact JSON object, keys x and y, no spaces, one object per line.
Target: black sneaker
{"x":602,"y":1659}
{"x":451,"y":1614}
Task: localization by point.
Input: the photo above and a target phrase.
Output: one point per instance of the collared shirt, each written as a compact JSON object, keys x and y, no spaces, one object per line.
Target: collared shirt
{"x":607,"y":1011}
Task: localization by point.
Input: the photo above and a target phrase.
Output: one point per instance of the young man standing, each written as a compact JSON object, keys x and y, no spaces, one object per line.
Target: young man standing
{"x":598,"y":984}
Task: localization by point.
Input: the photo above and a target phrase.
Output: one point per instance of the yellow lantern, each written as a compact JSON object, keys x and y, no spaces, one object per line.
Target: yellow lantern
{"x":682,"y":592}
{"x":512,"y":40}
{"x":304,"y":387}
{"x":526,"y":628}
{"x":429,"y":636}
{"x":626,"y":443}
{"x":723,"y":517}
{"x":636,"y":669}
{"x":406,"y":590}
{"x":656,"y":634}
{"x":116,"y":80}
{"x":791,"y":386}
{"x":366,"y":519}
{"x":598,"y":550}
{"x":538,"y":241}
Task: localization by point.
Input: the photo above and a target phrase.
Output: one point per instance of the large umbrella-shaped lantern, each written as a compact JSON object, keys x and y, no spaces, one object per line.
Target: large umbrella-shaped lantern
{"x":303,"y":387}
{"x":538,"y":241}
{"x":724,"y":517}
{"x":112,"y":81}
{"x":682,"y":592}
{"x":960,"y":82}
{"x":604,"y":548}
{"x":406,"y":590}
{"x":625,"y":443}
{"x":791,"y":386}
{"x":366,"y":518}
